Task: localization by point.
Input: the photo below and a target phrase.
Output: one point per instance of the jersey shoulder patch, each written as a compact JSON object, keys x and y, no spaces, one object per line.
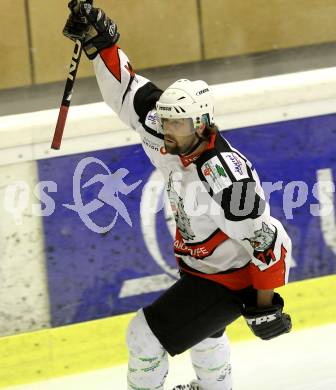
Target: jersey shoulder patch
{"x":236,"y":164}
{"x":216,"y":175}
{"x":150,"y":125}
{"x":152,"y":120}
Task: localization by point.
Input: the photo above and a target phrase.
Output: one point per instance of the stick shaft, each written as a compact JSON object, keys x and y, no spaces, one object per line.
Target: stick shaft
{"x":66,"y":100}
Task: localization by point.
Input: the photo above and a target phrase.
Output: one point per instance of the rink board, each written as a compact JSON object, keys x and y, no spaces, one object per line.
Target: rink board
{"x":98,"y":344}
{"x":88,"y":272}
{"x":239,"y":105}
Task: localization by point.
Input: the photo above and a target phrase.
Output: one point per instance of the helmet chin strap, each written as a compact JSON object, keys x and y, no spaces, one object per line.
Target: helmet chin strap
{"x":194,"y":147}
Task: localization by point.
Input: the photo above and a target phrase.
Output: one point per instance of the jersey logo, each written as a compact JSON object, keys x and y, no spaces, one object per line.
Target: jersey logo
{"x":216,"y":175}
{"x":151,"y":145}
{"x":263,"y":243}
{"x":260,"y":320}
{"x":262,"y":239}
{"x":181,"y":218}
{"x":236,"y":165}
{"x":151,"y":119}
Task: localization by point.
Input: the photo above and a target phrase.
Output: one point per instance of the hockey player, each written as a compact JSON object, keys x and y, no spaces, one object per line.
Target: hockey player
{"x":231,"y":253}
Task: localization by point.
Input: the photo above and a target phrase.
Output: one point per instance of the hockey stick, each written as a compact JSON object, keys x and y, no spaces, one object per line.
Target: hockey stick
{"x":68,"y":90}
{"x":66,"y":101}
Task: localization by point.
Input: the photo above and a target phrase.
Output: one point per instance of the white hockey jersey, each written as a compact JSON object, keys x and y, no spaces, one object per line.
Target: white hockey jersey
{"x":224,"y":231}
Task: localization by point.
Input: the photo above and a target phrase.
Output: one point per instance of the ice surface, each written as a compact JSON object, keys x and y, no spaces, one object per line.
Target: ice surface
{"x":302,"y":360}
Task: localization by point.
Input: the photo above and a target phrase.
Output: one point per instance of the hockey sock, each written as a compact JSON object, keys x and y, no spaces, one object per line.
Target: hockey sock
{"x":148,"y":360}
{"x":211,"y":362}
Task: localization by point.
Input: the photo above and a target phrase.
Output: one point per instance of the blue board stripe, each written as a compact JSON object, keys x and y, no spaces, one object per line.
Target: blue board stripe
{"x":86,"y":270}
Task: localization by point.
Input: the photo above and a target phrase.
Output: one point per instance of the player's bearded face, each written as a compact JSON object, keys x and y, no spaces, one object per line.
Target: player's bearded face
{"x":179,"y":135}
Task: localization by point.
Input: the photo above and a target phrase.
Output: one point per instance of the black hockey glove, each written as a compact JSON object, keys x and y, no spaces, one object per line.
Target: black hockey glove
{"x":91,"y":26}
{"x":268,"y":322}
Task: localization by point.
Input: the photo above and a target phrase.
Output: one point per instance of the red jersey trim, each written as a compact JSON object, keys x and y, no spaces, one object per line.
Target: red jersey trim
{"x":273,"y":276}
{"x":234,"y":280}
{"x":249,"y":275}
{"x":187,"y":160}
{"x":111,"y":59}
{"x":199,"y":250}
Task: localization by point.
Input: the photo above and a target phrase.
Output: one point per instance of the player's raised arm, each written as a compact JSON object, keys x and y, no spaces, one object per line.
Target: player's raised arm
{"x":129,"y":95}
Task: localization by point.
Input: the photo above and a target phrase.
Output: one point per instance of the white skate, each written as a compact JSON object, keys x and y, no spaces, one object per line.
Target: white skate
{"x":191,"y":386}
